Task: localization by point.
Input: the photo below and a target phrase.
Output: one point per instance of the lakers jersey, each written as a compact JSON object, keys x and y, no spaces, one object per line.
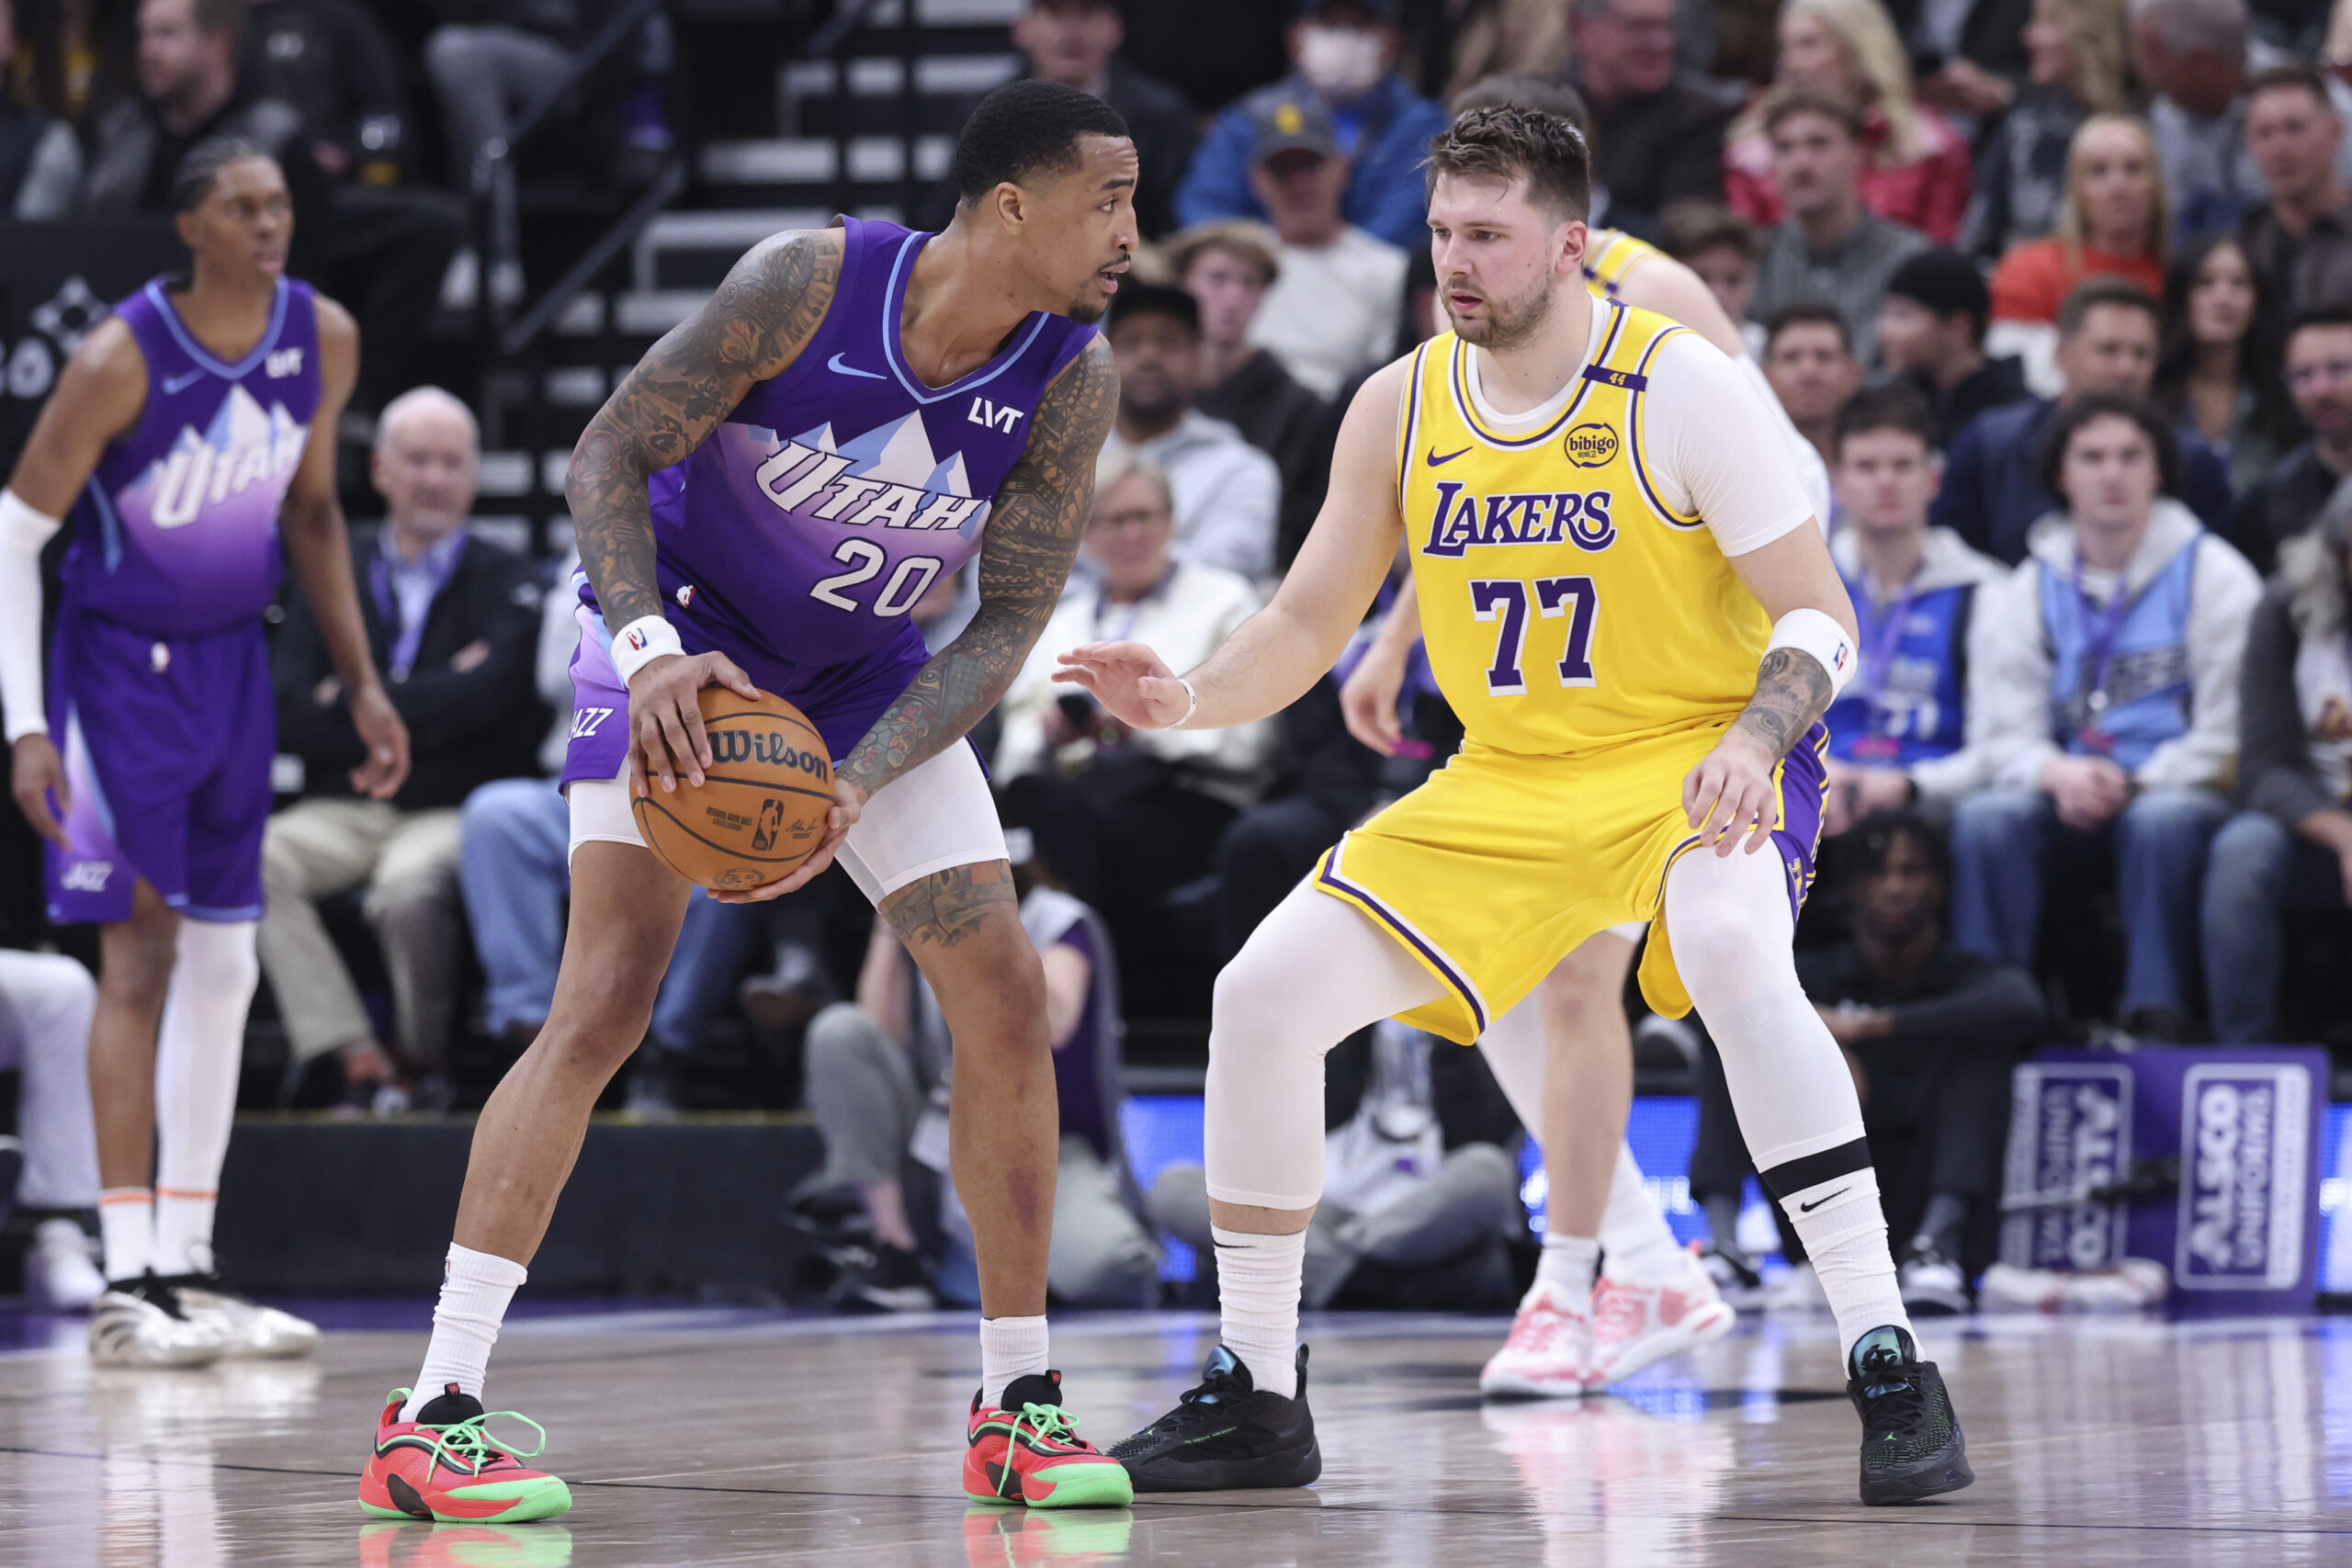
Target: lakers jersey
{"x":1609,"y":255}
{"x":1565,"y":604}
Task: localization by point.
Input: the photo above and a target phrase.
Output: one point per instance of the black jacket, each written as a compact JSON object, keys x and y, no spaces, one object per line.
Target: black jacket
{"x":466,"y":727}
{"x":1663,"y":147}
{"x":1955,"y":1001}
{"x":1164,"y":128}
{"x":1999,"y":381}
{"x":1282,"y":419}
{"x":332,"y":61}
{"x":2283,"y":505}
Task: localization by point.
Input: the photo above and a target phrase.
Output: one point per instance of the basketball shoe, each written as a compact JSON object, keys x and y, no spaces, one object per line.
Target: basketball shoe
{"x":1226,"y":1434}
{"x":248,"y":1330}
{"x":142,"y":1323}
{"x":1912,"y":1446}
{"x":1634,"y":1326}
{"x":1027,"y":1449}
{"x":445,"y":1465}
{"x":1550,"y":1352}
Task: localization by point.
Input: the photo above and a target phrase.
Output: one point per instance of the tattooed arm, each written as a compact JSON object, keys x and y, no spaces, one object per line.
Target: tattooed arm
{"x":1730,"y":792}
{"x":748,"y":332}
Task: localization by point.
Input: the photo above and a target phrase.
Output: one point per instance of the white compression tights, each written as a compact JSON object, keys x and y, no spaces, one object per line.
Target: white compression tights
{"x":196,"y":1055}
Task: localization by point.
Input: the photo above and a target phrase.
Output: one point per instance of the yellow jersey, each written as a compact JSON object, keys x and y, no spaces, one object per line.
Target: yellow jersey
{"x":1609,"y":255}
{"x":1564,"y":606}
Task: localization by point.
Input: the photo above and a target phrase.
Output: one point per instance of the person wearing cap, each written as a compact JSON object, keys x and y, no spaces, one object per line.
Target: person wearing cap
{"x":1344,"y":58}
{"x":1075,"y":42}
{"x":1931,"y":333}
{"x":1226,"y":491}
{"x":1333,"y":311}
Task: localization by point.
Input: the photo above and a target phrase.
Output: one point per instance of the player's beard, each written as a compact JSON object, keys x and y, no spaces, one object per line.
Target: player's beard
{"x":1509,"y":323}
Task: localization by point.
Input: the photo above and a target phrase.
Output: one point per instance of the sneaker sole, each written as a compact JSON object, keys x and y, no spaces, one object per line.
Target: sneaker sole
{"x":1932,"y":1478}
{"x":1283,"y":1469}
{"x":1511,"y":1385}
{"x":1086,"y":1486}
{"x":1701,"y":1326}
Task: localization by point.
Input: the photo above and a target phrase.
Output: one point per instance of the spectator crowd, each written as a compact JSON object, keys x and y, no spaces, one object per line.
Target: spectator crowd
{"x":2061,"y":292}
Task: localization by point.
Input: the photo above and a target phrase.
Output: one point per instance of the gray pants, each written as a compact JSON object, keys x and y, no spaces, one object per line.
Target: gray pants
{"x":862,"y":1089}
{"x":486,"y":76}
{"x":1473,"y":1197}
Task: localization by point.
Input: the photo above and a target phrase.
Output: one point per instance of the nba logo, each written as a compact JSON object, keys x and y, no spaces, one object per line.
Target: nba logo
{"x":771,"y":818}
{"x":636,"y":641}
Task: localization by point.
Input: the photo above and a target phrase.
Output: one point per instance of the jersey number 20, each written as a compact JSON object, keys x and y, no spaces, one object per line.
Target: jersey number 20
{"x":865,"y":558}
{"x":1506,"y":599}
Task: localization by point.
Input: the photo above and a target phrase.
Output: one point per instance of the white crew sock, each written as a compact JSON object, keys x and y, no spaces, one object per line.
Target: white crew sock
{"x":199,"y":1052}
{"x":1845,"y":1238}
{"x":1257,"y":1289}
{"x":1568,"y":1265}
{"x":475,"y":1290}
{"x":127,"y":1231}
{"x":1634,"y":1237}
{"x":1011,"y":1348}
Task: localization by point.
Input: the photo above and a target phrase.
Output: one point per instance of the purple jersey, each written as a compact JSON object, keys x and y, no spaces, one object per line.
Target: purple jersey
{"x":175,"y":535}
{"x":801,"y":532}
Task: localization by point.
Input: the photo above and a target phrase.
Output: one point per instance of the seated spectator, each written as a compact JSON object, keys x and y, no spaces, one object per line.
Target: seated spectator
{"x":1657,"y":132}
{"x":1898,"y":734}
{"x":1227,"y":492}
{"x":331,"y":60}
{"x":1332,"y":312}
{"x":877,"y":1077}
{"x":453,"y":622}
{"x":2216,"y":373}
{"x":2103,"y":686}
{"x":2319,"y":378}
{"x":1930,"y":1031}
{"x":1418,"y":1205}
{"x":2289,"y":853}
{"x":381,"y":253}
{"x":1913,"y":169}
{"x":1969,"y":55}
{"x":72,"y":57}
{"x":1831,"y":249}
{"x":45,"y":1003}
{"x":1931,"y":333}
{"x":1075,"y":42}
{"x":1345,"y":55}
{"x":2107,"y":343}
{"x":2075,"y":69}
{"x":1809,"y":361}
{"x":1227,"y":267}
{"x":1720,"y":246}
{"x":40,"y":161}
{"x":2113,"y":223}
{"x":2299,"y":236}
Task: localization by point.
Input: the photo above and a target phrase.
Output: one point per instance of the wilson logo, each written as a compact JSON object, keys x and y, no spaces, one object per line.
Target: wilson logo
{"x":763,"y":746}
{"x":1590,"y":446}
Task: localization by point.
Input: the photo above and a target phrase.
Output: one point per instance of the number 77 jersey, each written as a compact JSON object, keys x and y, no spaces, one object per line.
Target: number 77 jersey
{"x":1565,"y":605}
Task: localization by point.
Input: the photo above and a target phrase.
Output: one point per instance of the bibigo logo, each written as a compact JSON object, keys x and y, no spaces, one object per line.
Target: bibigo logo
{"x":1590,"y":446}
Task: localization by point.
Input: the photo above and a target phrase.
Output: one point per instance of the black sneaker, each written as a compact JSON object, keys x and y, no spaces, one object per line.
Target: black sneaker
{"x":1911,"y":1447}
{"x":1225,"y":1436}
{"x":882,"y":1278}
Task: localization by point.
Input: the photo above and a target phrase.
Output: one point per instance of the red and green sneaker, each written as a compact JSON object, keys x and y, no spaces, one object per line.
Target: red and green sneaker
{"x":443,"y":1465}
{"x":1027,"y":1449}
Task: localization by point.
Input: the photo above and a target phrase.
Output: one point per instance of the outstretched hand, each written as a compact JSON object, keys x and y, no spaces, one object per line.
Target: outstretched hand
{"x":1129,"y":681}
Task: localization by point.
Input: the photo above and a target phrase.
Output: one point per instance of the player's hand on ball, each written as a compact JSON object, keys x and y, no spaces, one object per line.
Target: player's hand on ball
{"x":666,"y":739}
{"x":386,"y":738}
{"x":1129,"y":681}
{"x":1368,"y":698}
{"x":37,"y":774}
{"x":849,"y":803}
{"x":1730,"y":793}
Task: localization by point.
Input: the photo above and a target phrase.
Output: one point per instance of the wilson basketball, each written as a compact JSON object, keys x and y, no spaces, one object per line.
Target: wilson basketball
{"x":760,"y":810}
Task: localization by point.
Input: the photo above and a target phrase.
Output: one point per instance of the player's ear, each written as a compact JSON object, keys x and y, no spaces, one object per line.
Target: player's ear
{"x":1010,"y":204}
{"x":184,"y":223}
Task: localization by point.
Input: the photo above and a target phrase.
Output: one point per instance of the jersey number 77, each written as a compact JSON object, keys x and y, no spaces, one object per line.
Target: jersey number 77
{"x":1506,"y":599}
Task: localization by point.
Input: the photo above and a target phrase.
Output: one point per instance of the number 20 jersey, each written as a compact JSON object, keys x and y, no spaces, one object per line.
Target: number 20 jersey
{"x":1564,"y":606}
{"x":798,"y":536}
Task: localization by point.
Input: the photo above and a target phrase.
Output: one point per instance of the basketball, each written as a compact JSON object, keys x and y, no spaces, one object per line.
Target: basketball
{"x":760,"y":810}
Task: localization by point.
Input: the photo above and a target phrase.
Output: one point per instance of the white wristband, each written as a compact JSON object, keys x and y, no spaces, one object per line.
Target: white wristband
{"x":641,"y":642}
{"x":1816,"y":632}
{"x":1191,"y":702}
{"x":23,"y":532}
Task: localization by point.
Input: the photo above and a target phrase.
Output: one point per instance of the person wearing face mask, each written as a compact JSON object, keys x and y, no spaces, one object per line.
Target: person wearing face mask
{"x":1344,"y":58}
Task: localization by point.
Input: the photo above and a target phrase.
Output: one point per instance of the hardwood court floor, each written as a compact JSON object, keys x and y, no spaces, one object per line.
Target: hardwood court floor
{"x":710,"y":1436}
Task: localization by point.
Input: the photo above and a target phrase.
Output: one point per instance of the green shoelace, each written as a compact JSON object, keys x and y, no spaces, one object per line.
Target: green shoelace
{"x":470,"y":1443}
{"x":1045,"y":1421}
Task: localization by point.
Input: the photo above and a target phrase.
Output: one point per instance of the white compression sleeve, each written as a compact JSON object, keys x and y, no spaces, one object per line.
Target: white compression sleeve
{"x":23,"y":533}
{"x":196,"y":1054}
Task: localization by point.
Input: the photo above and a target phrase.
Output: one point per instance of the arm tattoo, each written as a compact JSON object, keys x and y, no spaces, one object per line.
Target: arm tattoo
{"x":1792,"y":691}
{"x":944,"y":909}
{"x":1032,"y":539}
{"x":768,"y":308}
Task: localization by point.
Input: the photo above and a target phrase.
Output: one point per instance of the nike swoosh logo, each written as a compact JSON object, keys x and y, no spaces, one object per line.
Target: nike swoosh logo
{"x":1436,"y":461}
{"x":174,"y":385}
{"x":835,"y":364}
{"x":1817,"y":1202}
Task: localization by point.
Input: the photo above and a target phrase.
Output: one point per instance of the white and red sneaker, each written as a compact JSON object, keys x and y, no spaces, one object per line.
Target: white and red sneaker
{"x":1549,"y":1353}
{"x":1636,"y":1325}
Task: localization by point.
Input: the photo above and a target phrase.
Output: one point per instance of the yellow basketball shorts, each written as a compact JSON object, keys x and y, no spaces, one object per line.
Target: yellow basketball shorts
{"x":1501,"y":863}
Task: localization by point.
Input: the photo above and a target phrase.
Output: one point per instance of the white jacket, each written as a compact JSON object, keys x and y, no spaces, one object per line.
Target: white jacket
{"x":1227,"y":492}
{"x":1946,"y":560}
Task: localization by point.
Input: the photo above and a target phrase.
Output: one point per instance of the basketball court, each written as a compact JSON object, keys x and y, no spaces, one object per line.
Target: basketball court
{"x":720,"y":1436}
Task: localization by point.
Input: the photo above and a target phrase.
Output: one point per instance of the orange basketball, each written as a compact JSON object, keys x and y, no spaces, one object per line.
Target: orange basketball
{"x":760,"y":810}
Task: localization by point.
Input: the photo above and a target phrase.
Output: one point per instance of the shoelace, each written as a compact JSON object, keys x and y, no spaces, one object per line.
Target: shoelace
{"x":1619,"y":1312}
{"x":1198,"y":1405}
{"x":1535,"y":1331}
{"x":1892,"y":1395}
{"x":468,"y":1442}
{"x":1046,"y":1423}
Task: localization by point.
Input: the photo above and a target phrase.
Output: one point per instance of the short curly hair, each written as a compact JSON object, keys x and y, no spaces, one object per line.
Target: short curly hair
{"x":2077,"y":413}
{"x":1507,"y":141}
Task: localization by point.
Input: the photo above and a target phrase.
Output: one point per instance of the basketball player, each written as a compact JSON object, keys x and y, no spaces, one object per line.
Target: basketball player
{"x":179,"y":439}
{"x":855,"y":414}
{"x":1627,"y":600}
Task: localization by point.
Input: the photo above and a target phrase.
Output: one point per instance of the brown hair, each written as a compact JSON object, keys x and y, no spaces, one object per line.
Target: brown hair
{"x":1695,"y":225}
{"x":2293,"y":73}
{"x":1508,"y":143}
{"x":1793,"y":98}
